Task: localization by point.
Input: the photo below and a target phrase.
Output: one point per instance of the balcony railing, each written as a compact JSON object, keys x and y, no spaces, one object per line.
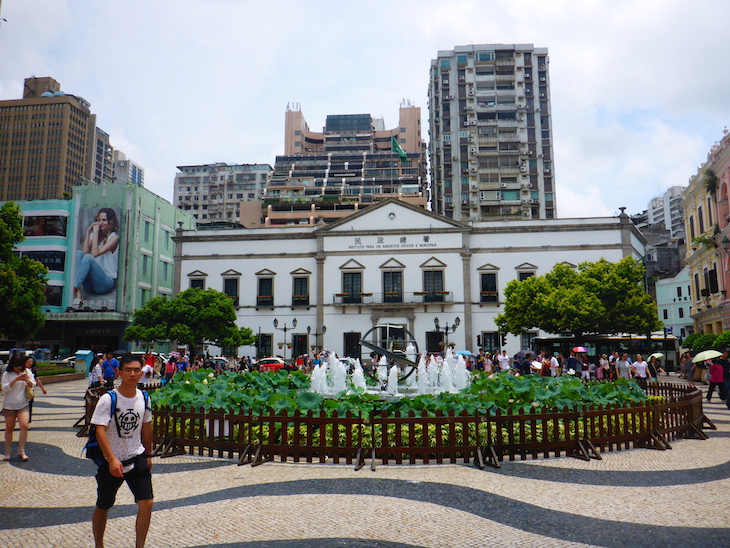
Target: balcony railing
{"x":300,"y":300}
{"x":409,"y":297}
{"x":265,"y":300}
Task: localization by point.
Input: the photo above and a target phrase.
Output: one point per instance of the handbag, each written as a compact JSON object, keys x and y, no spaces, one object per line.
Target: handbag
{"x":29,"y":394}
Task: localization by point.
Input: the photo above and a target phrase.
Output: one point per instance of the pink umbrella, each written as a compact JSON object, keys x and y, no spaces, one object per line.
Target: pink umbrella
{"x":580,"y":349}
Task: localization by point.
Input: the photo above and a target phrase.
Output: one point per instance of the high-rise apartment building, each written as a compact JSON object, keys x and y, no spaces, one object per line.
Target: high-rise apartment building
{"x":666,"y":210}
{"x":217,"y":192}
{"x":101,"y":161}
{"x":353,"y":162}
{"x":45,"y":141}
{"x":491,"y":133}
{"x":126,"y":171}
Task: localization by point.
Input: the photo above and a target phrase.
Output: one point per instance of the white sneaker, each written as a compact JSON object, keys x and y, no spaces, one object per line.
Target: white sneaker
{"x":76,"y":302}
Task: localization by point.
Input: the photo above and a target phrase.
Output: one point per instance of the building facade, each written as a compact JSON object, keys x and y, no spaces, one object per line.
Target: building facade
{"x":490,"y":127}
{"x":674,"y":302}
{"x":706,"y":227}
{"x":141,"y":267}
{"x":353,"y":162}
{"x":392,"y":263}
{"x":46,"y":140}
{"x":718,"y":165}
{"x":217,"y":192}
{"x":126,"y":171}
{"x":666,"y":210}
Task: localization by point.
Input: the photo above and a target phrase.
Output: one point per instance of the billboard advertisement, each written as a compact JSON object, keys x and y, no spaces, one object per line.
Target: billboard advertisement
{"x":96,"y":258}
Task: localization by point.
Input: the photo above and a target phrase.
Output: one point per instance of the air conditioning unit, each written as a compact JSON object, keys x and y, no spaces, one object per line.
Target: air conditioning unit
{"x":470,"y":138}
{"x":502,"y":185}
{"x":534,"y":201}
{"x":523,"y":169}
{"x":473,"y":170}
{"x":543,"y":79}
{"x":471,"y":92}
{"x":461,"y":78}
{"x":473,"y":150}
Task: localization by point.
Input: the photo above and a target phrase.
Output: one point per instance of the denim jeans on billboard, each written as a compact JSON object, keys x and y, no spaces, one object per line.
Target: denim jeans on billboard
{"x":90,"y":275}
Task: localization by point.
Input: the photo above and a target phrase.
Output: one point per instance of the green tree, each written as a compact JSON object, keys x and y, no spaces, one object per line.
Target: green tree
{"x":600,"y":297}
{"x":689,"y":340}
{"x":722,"y":341}
{"x":703,"y":342}
{"x":22,"y":281}
{"x":193,"y":317}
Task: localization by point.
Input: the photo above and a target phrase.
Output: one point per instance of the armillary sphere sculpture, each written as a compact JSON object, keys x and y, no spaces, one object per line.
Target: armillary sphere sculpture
{"x":391,"y":341}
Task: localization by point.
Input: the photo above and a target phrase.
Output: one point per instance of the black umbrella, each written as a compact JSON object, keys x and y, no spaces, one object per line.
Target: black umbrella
{"x":120,"y":351}
{"x":525,"y":354}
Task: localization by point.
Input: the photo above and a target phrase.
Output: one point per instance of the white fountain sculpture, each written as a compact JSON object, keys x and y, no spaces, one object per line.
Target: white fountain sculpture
{"x":423,"y":385}
{"x":462,"y":378}
{"x":411,"y":352}
{"x":318,"y":382}
{"x":383,"y":370}
{"x":393,"y":381}
{"x":358,"y":376}
{"x":433,"y":373}
{"x":338,"y":375}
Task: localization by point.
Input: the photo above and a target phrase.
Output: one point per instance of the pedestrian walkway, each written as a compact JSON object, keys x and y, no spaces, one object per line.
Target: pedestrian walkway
{"x":630,"y":498}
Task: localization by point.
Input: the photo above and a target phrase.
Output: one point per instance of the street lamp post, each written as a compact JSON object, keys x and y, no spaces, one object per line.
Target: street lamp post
{"x":285,"y":329}
{"x":445,"y":330}
{"x":316,"y":335}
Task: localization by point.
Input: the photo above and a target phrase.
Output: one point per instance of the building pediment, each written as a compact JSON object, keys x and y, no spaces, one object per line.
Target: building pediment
{"x":526,"y":266}
{"x":231,"y":273}
{"x":197,"y":274}
{"x":300,"y":272}
{"x":393,"y":263}
{"x":488,"y":266}
{"x":433,"y":262}
{"x":393,"y":215}
{"x":265,"y":272}
{"x":352,"y":264}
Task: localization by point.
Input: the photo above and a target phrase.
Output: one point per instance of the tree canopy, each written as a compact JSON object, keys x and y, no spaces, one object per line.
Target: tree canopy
{"x":22,"y":281}
{"x":598,"y":297}
{"x":194,"y":317}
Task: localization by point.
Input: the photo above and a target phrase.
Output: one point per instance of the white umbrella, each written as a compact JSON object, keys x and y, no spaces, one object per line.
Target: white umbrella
{"x":656,"y":355}
{"x":706,"y":355}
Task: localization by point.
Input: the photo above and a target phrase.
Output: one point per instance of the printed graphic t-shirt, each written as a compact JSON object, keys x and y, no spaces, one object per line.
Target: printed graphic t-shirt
{"x":131,"y":414}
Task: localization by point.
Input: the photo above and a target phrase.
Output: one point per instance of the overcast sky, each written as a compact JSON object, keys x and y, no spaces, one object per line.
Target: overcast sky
{"x":640,"y":89}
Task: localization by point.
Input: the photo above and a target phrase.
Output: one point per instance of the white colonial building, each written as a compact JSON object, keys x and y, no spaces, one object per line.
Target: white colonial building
{"x":392,"y":263}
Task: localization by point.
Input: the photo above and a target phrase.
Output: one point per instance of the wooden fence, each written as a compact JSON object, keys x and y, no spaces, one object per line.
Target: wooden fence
{"x":413,"y":438}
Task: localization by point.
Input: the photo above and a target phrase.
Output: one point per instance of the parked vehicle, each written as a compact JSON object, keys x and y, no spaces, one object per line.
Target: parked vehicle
{"x":271,"y":364}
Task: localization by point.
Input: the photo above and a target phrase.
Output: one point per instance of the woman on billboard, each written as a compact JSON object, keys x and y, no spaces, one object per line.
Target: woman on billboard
{"x":97,"y":260}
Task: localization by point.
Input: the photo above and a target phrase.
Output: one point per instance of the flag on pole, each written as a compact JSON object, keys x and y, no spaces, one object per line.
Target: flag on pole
{"x":395,"y":147}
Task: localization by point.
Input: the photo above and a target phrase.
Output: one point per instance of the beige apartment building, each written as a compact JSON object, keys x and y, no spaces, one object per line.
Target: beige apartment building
{"x":45,"y":142}
{"x":352,"y":163}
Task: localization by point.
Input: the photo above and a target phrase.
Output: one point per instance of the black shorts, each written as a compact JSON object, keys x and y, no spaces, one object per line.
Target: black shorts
{"x":139,"y":480}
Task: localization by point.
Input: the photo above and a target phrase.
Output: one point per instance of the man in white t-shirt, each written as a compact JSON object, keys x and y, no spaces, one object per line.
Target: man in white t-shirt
{"x":148,"y":373}
{"x":125,"y":439}
{"x":504,"y":361}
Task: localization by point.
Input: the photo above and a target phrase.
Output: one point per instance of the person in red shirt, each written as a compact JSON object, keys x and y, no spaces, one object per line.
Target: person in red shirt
{"x":716,"y":379}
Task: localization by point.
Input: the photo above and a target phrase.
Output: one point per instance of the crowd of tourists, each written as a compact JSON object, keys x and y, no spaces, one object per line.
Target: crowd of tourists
{"x":578,"y":364}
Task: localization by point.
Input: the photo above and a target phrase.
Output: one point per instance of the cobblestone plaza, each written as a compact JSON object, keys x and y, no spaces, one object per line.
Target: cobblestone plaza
{"x":632,"y":498}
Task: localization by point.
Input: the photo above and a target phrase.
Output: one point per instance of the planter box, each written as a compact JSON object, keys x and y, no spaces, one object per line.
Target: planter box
{"x":51,"y":379}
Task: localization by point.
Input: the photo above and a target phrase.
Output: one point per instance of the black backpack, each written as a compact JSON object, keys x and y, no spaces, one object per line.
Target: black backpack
{"x":93,"y":451}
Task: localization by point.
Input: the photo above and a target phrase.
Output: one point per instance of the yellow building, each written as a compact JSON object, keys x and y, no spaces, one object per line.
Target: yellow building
{"x":708,"y":240}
